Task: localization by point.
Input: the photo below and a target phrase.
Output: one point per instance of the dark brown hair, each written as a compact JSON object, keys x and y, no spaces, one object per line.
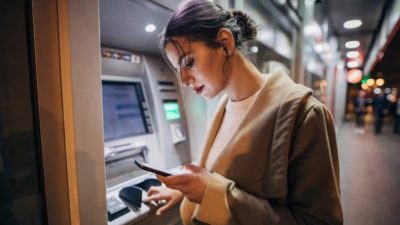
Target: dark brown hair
{"x":201,"y":20}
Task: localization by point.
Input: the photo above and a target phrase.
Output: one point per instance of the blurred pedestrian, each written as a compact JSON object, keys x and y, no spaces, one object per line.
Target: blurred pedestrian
{"x":397,"y":116}
{"x":379,"y":104}
{"x":360,"y":108}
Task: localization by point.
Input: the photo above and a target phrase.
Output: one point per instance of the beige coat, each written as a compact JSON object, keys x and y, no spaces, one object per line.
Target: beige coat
{"x":280,"y":167}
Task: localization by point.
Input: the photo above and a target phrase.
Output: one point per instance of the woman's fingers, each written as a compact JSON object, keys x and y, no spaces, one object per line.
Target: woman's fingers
{"x":153,"y":190}
{"x":192,"y":168}
{"x":182,"y":182}
{"x":154,"y":197}
{"x":160,"y":178}
{"x":163,"y":196}
{"x":165,"y":207}
{"x":181,"y":179}
{"x":184,"y":188}
{"x":192,"y":184}
{"x":154,"y":194}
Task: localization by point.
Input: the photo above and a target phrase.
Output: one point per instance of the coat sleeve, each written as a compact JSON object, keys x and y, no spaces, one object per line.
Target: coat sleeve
{"x":313,"y":183}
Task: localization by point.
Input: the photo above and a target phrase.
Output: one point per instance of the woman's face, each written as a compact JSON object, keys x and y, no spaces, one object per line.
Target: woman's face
{"x":200,"y":66}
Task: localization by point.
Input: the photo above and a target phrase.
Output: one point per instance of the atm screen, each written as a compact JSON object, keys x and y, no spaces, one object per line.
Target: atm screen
{"x":171,"y":109}
{"x":123,"y":114}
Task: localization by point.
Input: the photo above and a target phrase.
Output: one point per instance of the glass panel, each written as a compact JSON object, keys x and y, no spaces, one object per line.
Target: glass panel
{"x":21,"y":192}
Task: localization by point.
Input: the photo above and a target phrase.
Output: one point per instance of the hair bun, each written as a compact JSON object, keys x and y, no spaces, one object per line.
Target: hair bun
{"x":247,"y":26}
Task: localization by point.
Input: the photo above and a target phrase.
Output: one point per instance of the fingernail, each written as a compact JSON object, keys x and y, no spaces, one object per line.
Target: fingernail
{"x":158,"y":213}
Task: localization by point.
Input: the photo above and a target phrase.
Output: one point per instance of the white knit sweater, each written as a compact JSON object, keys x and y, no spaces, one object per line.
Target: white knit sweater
{"x":234,"y":115}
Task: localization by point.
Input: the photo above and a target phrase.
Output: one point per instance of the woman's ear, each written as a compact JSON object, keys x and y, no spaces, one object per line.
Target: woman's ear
{"x":226,"y":51}
{"x":225,"y":37}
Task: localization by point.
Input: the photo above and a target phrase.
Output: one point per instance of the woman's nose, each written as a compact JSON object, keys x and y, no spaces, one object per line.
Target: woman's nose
{"x":187,"y":80}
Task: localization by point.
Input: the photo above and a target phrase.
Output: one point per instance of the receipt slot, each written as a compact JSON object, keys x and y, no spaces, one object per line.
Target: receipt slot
{"x":177,"y":133}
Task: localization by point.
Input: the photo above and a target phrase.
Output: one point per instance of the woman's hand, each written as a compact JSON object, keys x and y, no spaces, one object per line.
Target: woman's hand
{"x":192,"y":184}
{"x":159,"y":193}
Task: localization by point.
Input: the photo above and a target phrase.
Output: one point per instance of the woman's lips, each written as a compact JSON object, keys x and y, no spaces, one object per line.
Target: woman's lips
{"x":198,"y":90}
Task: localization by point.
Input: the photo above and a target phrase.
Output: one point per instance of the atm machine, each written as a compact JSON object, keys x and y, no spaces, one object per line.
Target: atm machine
{"x":144,"y":120}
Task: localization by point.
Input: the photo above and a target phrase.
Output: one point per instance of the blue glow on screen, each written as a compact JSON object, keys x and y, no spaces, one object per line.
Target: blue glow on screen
{"x":122,"y":112}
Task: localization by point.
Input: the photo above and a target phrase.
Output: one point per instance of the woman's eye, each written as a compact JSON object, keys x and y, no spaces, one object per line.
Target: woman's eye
{"x":189,"y":64}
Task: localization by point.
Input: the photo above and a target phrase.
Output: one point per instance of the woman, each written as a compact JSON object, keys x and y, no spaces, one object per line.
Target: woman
{"x":360,"y":108}
{"x":397,"y":116}
{"x":270,"y":156}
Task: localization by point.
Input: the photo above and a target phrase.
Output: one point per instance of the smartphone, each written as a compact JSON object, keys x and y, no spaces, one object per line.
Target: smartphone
{"x":147,"y":167}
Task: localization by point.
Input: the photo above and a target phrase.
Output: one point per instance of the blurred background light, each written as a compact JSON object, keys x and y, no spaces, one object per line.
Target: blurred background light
{"x":351,"y":24}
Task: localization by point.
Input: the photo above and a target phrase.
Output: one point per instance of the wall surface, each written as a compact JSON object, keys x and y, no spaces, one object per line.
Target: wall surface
{"x":87,"y":105}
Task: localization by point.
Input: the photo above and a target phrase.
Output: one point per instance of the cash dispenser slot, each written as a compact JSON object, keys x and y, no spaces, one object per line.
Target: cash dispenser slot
{"x":120,"y":165}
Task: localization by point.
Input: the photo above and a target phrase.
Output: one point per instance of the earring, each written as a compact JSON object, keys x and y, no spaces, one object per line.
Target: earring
{"x":226,"y":51}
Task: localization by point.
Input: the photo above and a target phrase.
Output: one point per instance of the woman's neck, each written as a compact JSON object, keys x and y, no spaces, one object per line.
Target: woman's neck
{"x":243,"y":78}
